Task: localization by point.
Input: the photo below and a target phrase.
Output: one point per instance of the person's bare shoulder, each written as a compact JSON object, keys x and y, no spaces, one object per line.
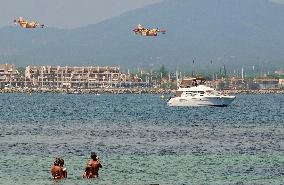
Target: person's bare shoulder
{"x":89,"y":163}
{"x":56,"y":170}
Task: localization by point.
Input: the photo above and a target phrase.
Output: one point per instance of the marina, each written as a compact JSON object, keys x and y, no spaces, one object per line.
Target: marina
{"x":112,"y":79}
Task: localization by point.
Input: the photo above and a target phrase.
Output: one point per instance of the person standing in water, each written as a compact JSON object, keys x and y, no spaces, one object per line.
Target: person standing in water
{"x":92,"y":167}
{"x":63,"y":168}
{"x":56,"y":170}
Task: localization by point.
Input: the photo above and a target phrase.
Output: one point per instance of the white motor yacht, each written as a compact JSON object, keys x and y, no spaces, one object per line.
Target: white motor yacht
{"x":198,"y":94}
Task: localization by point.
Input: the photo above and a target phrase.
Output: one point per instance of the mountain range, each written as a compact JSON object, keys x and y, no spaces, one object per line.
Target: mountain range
{"x":212,"y":33}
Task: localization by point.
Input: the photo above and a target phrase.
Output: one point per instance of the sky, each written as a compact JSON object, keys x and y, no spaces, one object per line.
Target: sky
{"x":278,"y":1}
{"x":66,"y":13}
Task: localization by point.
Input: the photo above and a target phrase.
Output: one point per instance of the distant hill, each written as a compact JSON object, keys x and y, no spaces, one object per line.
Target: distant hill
{"x":234,"y":33}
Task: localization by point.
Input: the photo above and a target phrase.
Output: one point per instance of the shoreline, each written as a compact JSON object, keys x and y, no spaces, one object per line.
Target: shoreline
{"x":260,"y":91}
{"x":128,"y":91}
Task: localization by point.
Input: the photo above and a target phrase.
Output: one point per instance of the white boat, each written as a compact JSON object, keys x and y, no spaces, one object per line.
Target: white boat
{"x":198,"y":94}
{"x":74,"y":92}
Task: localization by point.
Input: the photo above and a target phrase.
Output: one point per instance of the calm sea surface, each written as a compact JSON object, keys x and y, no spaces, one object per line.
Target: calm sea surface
{"x":141,"y":140}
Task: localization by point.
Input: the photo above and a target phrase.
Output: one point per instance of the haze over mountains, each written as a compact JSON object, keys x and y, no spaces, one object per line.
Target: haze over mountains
{"x":234,"y":33}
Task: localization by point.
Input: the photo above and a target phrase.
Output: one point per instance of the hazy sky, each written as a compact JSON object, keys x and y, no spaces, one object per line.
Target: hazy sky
{"x":66,"y":13}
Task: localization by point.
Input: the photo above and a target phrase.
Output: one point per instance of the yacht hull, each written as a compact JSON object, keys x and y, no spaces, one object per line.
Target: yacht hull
{"x":218,"y":101}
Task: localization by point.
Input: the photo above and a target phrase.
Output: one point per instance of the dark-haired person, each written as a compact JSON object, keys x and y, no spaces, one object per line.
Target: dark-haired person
{"x":64,"y":170}
{"x":92,"y":167}
{"x":56,"y":170}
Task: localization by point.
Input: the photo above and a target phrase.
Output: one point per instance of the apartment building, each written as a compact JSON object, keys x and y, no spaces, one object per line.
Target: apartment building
{"x":9,"y":76}
{"x":75,"y":77}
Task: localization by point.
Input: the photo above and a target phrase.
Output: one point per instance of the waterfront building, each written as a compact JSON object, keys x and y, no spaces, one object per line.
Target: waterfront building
{"x":80,"y":77}
{"x":10,"y":76}
{"x":281,"y":83}
{"x":279,"y":72}
{"x":237,"y":83}
{"x":267,"y":83}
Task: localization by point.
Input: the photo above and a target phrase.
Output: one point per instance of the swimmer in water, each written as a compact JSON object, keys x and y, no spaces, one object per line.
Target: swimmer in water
{"x":56,"y":170}
{"x":63,"y":168}
{"x":92,"y":167}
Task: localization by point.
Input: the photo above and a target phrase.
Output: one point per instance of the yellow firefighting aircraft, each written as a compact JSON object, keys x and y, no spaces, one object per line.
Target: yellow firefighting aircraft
{"x":25,"y":24}
{"x":140,"y":30}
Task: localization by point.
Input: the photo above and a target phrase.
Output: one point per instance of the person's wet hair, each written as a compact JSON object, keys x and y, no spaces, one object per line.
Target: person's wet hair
{"x":56,"y":162}
{"x":61,"y":162}
{"x":93,"y":156}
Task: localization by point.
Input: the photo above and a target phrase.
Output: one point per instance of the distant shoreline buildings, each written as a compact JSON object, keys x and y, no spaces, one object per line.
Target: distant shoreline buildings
{"x":66,"y":77}
{"x":98,"y":77}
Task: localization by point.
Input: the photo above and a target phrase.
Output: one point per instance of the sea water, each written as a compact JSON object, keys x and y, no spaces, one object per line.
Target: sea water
{"x":141,"y":140}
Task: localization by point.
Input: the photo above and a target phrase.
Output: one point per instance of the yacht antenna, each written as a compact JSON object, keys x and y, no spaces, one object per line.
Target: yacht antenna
{"x":177,"y":78}
{"x":192,"y":68}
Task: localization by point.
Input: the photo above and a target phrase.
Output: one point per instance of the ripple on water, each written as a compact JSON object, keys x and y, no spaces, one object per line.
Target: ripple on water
{"x":141,"y":140}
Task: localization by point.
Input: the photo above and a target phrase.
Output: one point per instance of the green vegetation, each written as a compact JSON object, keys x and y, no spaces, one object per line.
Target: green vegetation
{"x":276,"y":76}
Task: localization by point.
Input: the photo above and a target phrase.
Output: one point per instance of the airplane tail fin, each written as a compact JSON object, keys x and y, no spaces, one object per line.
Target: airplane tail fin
{"x":139,"y":26}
